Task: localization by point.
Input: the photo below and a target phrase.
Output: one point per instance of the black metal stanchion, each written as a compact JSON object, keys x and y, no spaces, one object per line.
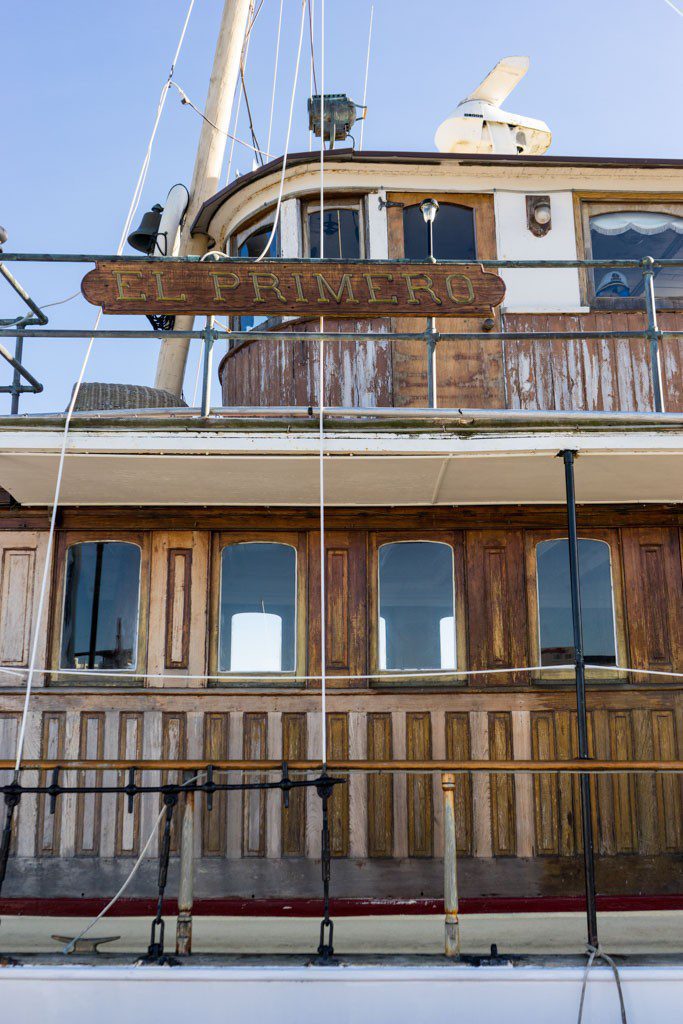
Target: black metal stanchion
{"x":325,"y":787}
{"x":155,"y":951}
{"x":580,"y":675}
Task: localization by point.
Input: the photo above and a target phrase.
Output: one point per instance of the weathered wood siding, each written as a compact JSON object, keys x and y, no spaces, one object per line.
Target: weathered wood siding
{"x":610,"y":374}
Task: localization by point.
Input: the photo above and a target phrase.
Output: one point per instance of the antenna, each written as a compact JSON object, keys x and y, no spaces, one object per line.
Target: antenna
{"x":478,"y":125}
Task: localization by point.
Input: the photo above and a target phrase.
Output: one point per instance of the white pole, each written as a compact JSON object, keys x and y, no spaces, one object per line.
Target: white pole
{"x":207,"y":171}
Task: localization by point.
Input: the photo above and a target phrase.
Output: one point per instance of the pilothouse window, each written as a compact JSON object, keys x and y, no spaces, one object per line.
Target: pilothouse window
{"x":101,"y":603}
{"x":631,"y":235}
{"x":454,"y":237}
{"x":554,"y":602}
{"x":251,"y":248}
{"x":416,"y":606}
{"x":257,"y":608}
{"x":341,"y":233}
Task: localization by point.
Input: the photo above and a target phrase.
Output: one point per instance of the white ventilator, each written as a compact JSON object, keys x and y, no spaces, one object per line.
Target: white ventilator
{"x":168,"y":237}
{"x":478,"y":125}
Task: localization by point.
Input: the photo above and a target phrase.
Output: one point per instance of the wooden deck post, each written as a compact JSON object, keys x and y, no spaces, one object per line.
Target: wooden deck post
{"x":450,"y":877}
{"x":183,"y":935}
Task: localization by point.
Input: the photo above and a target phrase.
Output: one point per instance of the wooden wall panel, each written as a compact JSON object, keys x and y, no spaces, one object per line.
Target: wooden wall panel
{"x":419,"y":787}
{"x":22,"y":555}
{"x":496,"y":603}
{"x":654,"y":599}
{"x":345,"y":604}
{"x":503,"y":829}
{"x":569,"y":797}
{"x":338,"y":747}
{"x":546,"y":809}
{"x":669,"y":788}
{"x":255,"y":726}
{"x":178,"y":607}
{"x":173,"y":746}
{"x":623,"y":786}
{"x":89,"y":805}
{"x":216,"y":748}
{"x":129,"y":749}
{"x":52,"y":748}
{"x":458,"y":748}
{"x":294,"y":747}
{"x":380,"y":788}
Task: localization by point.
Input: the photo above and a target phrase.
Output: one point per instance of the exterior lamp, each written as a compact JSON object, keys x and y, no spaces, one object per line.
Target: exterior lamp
{"x":429,"y":208}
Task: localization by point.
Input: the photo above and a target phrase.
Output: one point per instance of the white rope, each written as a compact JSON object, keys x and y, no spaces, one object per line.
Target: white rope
{"x":367,"y":71}
{"x":277,"y":60}
{"x":137,"y":193}
{"x":131,"y":875}
{"x":595,"y":953}
{"x":278,"y":205}
{"x":70,"y":945}
{"x":321,"y":409}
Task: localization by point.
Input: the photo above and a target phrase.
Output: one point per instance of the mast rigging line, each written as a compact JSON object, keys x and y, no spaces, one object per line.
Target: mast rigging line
{"x":275,"y":67}
{"x":321,"y":411}
{"x":134,"y":203}
{"x":276,"y":217}
{"x":367,"y":71}
{"x":186,"y":101}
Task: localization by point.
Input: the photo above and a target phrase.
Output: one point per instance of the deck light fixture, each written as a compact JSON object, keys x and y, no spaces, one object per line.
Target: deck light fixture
{"x":430,"y":208}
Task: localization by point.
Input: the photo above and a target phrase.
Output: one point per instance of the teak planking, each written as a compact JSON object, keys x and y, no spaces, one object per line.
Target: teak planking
{"x":301,"y":288}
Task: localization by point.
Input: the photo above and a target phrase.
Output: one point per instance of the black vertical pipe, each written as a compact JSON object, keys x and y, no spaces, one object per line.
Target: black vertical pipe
{"x":95,"y":611}
{"x":580,"y":674}
{"x":16,"y":378}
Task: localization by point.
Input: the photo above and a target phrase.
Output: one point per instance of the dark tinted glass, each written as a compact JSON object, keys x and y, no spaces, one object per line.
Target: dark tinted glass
{"x":258,"y":608}
{"x":251,"y":248}
{"x":453,"y":233}
{"x":631,"y":236}
{"x":101,"y":606}
{"x":417,"y":624}
{"x":554,"y":602}
{"x":340,"y":234}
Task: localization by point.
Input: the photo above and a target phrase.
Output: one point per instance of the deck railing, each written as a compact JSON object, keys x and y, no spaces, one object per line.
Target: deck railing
{"x":23,"y":327}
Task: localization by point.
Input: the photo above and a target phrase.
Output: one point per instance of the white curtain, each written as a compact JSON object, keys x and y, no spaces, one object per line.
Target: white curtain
{"x":643,"y":223}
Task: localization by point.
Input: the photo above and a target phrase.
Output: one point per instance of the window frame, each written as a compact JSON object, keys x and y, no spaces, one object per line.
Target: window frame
{"x":481,"y":203}
{"x":400,"y":678}
{"x":547,"y":675}
{"x":93,"y":677}
{"x":591,"y":205}
{"x":335,"y":202}
{"x":259,"y":680}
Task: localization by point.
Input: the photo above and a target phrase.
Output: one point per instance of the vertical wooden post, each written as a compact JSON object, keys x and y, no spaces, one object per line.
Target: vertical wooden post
{"x":183,"y":935}
{"x":450,"y":876}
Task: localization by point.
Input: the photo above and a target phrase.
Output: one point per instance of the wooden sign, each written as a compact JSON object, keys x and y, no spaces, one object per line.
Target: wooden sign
{"x":293,"y":288}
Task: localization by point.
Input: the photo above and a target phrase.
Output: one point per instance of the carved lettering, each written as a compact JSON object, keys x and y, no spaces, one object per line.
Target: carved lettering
{"x":269,"y":282}
{"x":300,"y":297}
{"x":221,"y":280}
{"x":159,"y":274}
{"x":344,"y":284}
{"x":370,"y":281}
{"x":120,"y":275}
{"x":468,"y":283}
{"x":426,"y":287}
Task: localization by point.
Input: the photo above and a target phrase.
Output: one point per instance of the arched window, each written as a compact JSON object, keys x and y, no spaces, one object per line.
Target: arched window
{"x":251,"y":247}
{"x":554,"y":602}
{"x":101,"y":606}
{"x":341,"y":233}
{"x":630,"y":235}
{"x":454,"y":237}
{"x":416,"y":606}
{"x":257,"y":608}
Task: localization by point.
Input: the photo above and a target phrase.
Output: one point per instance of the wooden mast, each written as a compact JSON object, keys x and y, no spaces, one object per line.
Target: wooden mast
{"x":207,"y":170}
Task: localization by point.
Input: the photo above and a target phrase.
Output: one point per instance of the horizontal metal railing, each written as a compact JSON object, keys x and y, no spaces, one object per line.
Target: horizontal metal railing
{"x":20,"y":328}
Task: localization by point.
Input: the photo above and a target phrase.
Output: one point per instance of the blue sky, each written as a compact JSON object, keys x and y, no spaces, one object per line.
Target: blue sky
{"x":82,"y":79}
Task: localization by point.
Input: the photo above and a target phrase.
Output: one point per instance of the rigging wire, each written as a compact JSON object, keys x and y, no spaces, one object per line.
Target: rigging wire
{"x":321,"y":404}
{"x":278,"y":206}
{"x":311,"y":70}
{"x":137,"y":194}
{"x":275,"y":66}
{"x":367,"y":71}
{"x":185,"y":99}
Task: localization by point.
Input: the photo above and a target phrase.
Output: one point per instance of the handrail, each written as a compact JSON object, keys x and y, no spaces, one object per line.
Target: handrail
{"x":594,"y":766}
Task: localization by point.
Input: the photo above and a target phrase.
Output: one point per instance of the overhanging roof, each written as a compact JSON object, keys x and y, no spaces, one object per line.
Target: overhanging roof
{"x":367,"y":156}
{"x":221,"y":463}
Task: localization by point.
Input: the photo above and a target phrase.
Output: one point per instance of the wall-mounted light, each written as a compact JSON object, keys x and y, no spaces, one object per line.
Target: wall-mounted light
{"x":538,"y":215}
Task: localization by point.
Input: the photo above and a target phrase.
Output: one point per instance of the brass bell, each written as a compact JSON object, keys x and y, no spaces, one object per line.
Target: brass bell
{"x":145,"y":237}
